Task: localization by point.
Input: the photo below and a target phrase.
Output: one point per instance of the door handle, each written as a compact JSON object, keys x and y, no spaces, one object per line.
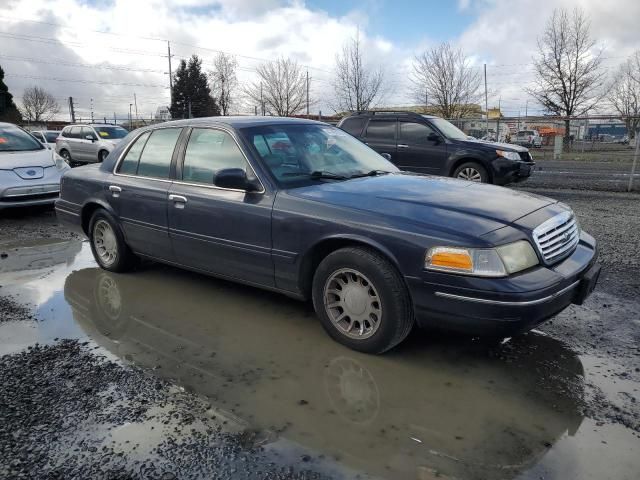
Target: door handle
{"x":178,"y":200}
{"x":402,"y":145}
{"x":115,"y":190}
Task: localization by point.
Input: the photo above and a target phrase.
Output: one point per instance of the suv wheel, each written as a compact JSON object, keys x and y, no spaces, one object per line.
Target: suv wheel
{"x":361,"y":300}
{"x":471,"y":171}
{"x":107,"y":243}
{"x":102,"y":154}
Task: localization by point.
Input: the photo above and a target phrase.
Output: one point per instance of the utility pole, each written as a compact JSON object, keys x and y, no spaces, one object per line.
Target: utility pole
{"x":498,"y":123}
{"x":261,"y":100}
{"x":135,"y":102}
{"x":130,"y":119}
{"x":115,"y":121}
{"x":307,"y":93}
{"x":635,"y":159}
{"x":72,"y":112}
{"x":486,"y":102}
{"x":170,"y":74}
{"x":92,"y":110}
{"x":190,"y":108}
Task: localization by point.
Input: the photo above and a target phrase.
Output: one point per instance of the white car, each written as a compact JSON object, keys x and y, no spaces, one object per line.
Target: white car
{"x":29,"y":171}
{"x":528,"y":138}
{"x":46,"y":137}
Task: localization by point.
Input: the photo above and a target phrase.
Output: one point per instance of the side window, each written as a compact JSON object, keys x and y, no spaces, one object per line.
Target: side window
{"x":129,"y":165}
{"x":413,"y":133}
{"x":382,"y":130}
{"x":209,"y":151}
{"x":88,"y":131}
{"x":75,"y":132}
{"x":65,"y":132}
{"x":155,"y":160}
{"x":354,"y":126}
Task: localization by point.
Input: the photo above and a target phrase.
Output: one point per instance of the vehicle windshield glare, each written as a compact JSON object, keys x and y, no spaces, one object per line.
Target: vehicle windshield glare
{"x":14,"y":139}
{"x":110,"y":133}
{"x":448,"y":129}
{"x":308,"y":153}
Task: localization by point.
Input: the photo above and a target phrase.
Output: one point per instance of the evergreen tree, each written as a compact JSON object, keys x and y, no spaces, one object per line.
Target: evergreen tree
{"x":191,"y":91}
{"x":8,"y":110}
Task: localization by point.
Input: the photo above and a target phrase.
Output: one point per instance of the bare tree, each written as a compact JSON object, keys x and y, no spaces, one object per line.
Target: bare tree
{"x":281,"y":89}
{"x":444,"y":78}
{"x":569,"y":77}
{"x":38,"y":105}
{"x":624,"y":93}
{"x":357,"y":86}
{"x":224,"y":81}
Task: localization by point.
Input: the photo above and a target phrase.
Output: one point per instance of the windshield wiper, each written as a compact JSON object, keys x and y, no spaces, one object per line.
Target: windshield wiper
{"x":317,"y":174}
{"x":372,"y":173}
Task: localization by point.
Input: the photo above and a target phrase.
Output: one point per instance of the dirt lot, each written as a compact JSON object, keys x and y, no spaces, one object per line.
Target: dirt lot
{"x":168,"y":374}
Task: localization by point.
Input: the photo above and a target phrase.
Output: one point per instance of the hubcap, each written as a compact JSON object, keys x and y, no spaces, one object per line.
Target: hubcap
{"x":470,"y":174}
{"x":105,"y":243}
{"x":109,"y":297}
{"x":352,"y":303}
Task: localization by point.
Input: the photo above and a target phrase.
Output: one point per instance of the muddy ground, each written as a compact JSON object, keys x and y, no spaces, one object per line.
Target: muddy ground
{"x":168,"y":374}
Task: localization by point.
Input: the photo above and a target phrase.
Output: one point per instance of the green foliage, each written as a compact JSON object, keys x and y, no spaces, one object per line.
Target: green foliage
{"x":190,"y":86}
{"x":8,"y":110}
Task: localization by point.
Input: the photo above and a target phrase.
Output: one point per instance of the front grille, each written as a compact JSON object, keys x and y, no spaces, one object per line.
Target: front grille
{"x":557,"y":237}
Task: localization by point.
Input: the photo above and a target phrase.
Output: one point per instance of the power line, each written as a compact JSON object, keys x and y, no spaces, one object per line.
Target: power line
{"x":74,"y":80}
{"x":79,"y":65}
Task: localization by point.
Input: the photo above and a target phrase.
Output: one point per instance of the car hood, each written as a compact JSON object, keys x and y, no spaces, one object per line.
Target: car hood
{"x":32,"y":158}
{"x":439,"y":203}
{"x":494,"y":145}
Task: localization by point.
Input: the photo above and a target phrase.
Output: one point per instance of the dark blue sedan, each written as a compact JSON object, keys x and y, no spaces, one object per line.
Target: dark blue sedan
{"x":305,"y":209}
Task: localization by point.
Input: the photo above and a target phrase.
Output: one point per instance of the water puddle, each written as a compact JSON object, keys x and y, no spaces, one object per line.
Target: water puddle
{"x":435,"y":407}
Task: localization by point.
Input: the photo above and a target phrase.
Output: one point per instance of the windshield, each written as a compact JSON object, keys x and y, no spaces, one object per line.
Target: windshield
{"x":448,"y":129}
{"x":111,"y":133}
{"x":51,"y":136}
{"x":14,"y":139}
{"x":303,"y":154}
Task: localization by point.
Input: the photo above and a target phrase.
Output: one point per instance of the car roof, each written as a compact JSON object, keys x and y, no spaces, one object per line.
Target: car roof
{"x":91,"y":125}
{"x":239,"y":121}
{"x":399,"y":113}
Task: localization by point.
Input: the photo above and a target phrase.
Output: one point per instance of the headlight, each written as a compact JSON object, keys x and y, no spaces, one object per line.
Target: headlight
{"x":509,"y":155}
{"x":61,"y":163}
{"x":483,"y":262}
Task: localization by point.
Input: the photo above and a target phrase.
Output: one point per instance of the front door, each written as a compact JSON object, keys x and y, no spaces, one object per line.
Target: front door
{"x":139,"y":192}
{"x":223,"y":231}
{"x":74,"y":141}
{"x":421,"y":149}
{"x":88,"y":148}
{"x":381,"y":136}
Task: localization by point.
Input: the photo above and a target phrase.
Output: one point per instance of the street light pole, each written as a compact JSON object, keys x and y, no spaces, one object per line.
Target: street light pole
{"x":130,"y":120}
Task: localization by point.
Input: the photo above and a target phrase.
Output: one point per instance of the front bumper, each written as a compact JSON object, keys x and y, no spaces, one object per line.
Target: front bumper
{"x":511,"y":171}
{"x":19,"y":192}
{"x":509,"y":305}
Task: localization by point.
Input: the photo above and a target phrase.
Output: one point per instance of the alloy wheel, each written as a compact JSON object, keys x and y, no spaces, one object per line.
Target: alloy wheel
{"x":352,"y":303}
{"x":470,"y":174}
{"x":105,"y":242}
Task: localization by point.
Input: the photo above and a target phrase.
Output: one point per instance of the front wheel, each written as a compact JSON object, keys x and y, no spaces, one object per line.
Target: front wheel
{"x":102,"y":154}
{"x":472,"y":172}
{"x":362,"y":300}
{"x":107,"y":243}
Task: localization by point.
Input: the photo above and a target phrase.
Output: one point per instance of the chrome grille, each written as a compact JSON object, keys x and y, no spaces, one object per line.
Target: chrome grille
{"x":557,"y":237}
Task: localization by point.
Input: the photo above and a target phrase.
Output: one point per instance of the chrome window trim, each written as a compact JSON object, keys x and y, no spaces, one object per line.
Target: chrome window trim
{"x":508,"y":303}
{"x":180,"y":182}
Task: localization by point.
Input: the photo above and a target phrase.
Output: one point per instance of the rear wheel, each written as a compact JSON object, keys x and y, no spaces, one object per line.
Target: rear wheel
{"x":471,"y":171}
{"x":102,"y":154}
{"x":361,"y":300}
{"x":108,"y":245}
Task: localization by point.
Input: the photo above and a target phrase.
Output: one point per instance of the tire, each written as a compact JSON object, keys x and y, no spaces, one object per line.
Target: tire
{"x":108,"y":245}
{"x":66,"y":155}
{"x":102,"y":154}
{"x":379,"y":297}
{"x":471,"y":171}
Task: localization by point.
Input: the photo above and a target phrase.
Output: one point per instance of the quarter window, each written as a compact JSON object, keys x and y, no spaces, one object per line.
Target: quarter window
{"x":129,"y":165}
{"x":208,"y":152}
{"x":382,"y":130}
{"x":155,"y":160}
{"x":354,"y":126}
{"x":75,"y":132}
{"x":413,"y":133}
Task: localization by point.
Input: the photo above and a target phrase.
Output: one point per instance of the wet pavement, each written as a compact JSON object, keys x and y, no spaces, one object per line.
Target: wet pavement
{"x":239,"y":361}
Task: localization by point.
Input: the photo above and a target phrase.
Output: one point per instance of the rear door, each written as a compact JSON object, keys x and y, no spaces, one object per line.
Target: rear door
{"x":73,"y":140}
{"x":417,"y":152}
{"x":223,"y":231}
{"x":139,"y":192}
{"x":380,"y":135}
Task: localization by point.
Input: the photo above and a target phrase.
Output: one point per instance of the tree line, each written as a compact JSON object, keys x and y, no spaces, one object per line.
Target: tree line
{"x":569,"y":81}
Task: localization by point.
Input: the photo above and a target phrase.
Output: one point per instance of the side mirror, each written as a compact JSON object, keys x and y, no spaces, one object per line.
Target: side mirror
{"x":235,"y":178}
{"x":386,"y":156}
{"x":434,"y":137}
{"x":90,"y":137}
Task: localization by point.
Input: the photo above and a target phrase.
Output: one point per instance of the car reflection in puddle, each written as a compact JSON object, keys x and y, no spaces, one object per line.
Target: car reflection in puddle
{"x":450,"y":408}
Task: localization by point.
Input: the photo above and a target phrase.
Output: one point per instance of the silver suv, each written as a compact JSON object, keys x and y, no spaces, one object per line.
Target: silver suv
{"x":88,"y":143}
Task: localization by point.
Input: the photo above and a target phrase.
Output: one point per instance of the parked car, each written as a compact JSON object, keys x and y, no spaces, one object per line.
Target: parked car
{"x":29,"y":172}
{"x":79,"y":144}
{"x":528,"y":138}
{"x":428,"y":144}
{"x":329,"y":219}
{"x":46,"y":137}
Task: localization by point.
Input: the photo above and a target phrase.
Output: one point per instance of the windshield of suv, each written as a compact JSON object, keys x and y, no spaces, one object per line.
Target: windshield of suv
{"x":303,"y":154}
{"x":14,"y":139}
{"x":110,"y":133}
{"x":448,"y":129}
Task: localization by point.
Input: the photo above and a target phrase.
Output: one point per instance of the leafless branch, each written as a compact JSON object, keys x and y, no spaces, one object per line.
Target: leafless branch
{"x":38,"y":105}
{"x":224,"y":81}
{"x":281,"y":87}
{"x":624,"y":93}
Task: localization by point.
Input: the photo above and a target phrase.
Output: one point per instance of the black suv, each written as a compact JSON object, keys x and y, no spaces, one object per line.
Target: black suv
{"x":428,"y":144}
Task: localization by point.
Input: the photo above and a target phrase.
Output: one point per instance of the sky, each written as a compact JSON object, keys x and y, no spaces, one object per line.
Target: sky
{"x":105,"y":52}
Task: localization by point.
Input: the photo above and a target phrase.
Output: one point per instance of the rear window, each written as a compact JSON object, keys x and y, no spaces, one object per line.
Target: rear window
{"x":14,"y":139}
{"x":382,"y":130}
{"x":353,"y":126}
{"x":110,"y":133}
{"x":129,"y":165}
{"x":51,"y":136}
